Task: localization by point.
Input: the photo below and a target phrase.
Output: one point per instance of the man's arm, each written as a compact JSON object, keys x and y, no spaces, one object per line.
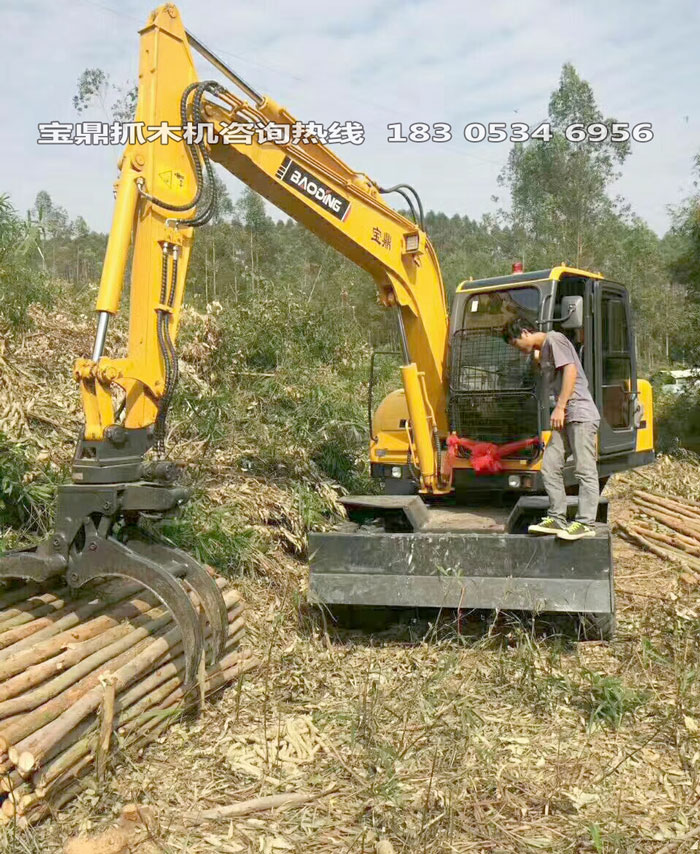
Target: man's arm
{"x":568,"y":381}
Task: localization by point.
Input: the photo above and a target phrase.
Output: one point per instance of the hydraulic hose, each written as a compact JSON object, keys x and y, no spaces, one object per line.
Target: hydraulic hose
{"x":165,"y":345}
{"x":206,"y":188}
{"x":198,"y":154}
{"x":401,"y":188}
{"x":406,"y":197}
{"x":171,"y":380}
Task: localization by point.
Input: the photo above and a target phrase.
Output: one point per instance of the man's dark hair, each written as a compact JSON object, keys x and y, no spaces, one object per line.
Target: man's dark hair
{"x":515,"y":328}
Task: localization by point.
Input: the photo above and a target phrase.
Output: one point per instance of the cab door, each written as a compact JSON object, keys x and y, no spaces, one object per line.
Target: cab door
{"x":615,"y":368}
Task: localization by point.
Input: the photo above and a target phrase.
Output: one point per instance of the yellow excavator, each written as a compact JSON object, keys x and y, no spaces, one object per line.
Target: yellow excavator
{"x":456,"y":449}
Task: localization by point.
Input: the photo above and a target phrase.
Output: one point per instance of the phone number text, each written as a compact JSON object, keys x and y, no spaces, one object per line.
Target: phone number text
{"x":519,"y":132}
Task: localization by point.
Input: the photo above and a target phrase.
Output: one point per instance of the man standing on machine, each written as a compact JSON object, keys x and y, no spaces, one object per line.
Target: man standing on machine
{"x":575,"y":420}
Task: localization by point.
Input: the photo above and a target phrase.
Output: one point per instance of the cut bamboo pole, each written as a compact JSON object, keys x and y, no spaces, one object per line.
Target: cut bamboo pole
{"x":10,"y":780}
{"x":23,"y":725}
{"x":16,"y":660}
{"x":45,"y":808}
{"x":690,"y":520}
{"x":75,"y":772}
{"x":38,"y":674}
{"x":86,"y":730}
{"x":127,"y":700}
{"x":30,"y":750}
{"x":137,"y":731}
{"x":163,"y":690}
{"x":136,"y":717}
{"x":72,"y":618}
{"x":174,"y":666}
{"x":680,"y":525}
{"x":271,"y":802}
{"x":671,"y":503}
{"x":674,"y":535}
{"x":674,"y":541}
{"x":10,"y":806}
{"x":28,"y":609}
{"x":663,"y":552}
{"x":140,"y":736}
{"x":191,"y":696}
{"x":56,"y":686}
{"x":67,"y":688}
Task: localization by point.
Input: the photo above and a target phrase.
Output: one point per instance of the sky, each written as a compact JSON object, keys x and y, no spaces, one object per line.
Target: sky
{"x":376,"y":62}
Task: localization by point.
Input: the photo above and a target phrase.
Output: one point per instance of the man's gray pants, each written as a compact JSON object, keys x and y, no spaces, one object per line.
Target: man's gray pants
{"x":578,"y":438}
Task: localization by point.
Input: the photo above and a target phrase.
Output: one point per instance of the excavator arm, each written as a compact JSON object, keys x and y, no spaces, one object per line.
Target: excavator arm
{"x":306,"y":180}
{"x":165,"y":191}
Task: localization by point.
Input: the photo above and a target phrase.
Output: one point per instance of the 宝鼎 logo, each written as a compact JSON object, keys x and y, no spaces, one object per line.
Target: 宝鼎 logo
{"x":293,"y":174}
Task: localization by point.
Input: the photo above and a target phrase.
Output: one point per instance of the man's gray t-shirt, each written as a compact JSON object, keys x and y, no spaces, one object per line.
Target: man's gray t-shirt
{"x":556,"y":352}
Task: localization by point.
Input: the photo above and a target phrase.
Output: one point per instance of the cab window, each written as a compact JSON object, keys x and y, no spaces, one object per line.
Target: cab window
{"x":617,"y":362}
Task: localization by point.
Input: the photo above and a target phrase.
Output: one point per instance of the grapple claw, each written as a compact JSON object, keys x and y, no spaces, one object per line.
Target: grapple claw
{"x":183,"y":565}
{"x":96,"y":536}
{"x":106,"y":556}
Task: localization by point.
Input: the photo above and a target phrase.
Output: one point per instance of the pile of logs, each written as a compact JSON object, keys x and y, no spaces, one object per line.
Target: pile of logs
{"x":668,"y":527}
{"x":82,"y":678}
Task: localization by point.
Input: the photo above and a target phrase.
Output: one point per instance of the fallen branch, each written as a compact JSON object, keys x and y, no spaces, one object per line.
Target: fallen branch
{"x":271,"y":802}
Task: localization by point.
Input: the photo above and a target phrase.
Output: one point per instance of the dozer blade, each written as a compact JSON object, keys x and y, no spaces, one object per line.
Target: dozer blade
{"x":462,"y":558}
{"x":106,"y":556}
{"x":181,"y":564}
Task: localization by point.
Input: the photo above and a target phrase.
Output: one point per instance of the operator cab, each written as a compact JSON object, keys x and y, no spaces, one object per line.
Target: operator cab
{"x":496,"y":393}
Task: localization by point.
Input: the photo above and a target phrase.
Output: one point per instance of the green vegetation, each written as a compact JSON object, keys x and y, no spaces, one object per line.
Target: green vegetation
{"x":22,"y":282}
{"x":609,"y":700}
{"x":25,"y":498}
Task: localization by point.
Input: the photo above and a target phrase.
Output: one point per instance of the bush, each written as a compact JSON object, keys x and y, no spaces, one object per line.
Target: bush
{"x":676,"y":420}
{"x":288,"y":386}
{"x":20,"y":284}
{"x":25,"y":502}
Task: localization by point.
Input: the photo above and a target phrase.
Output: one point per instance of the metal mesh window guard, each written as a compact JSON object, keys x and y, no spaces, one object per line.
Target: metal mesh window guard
{"x":493,"y":395}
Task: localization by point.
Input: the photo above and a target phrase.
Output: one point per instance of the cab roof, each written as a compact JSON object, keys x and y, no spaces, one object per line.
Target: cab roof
{"x":555,"y":273}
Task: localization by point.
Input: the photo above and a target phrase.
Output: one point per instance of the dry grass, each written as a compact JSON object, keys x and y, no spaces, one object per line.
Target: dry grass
{"x":495,"y":739}
{"x":499,"y":737}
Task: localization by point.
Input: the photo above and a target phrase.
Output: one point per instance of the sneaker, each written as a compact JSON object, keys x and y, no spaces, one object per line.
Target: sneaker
{"x":548,"y":525}
{"x":576,"y":531}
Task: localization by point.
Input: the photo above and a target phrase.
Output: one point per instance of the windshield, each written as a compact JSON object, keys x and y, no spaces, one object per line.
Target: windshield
{"x":493,"y":309}
{"x":481,"y":359}
{"x":492,"y":384}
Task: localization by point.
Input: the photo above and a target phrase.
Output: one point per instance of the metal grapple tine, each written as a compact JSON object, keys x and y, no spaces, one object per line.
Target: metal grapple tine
{"x":107,"y":557}
{"x":214,"y":606}
{"x":180,"y":563}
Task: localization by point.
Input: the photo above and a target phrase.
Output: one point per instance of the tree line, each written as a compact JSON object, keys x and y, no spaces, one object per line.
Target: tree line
{"x":557,"y":206}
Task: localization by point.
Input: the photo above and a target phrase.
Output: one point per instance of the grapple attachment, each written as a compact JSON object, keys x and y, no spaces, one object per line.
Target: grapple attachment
{"x":96,"y":537}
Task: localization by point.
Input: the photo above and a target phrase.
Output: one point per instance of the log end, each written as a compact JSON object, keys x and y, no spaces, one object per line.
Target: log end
{"x":25,"y":761}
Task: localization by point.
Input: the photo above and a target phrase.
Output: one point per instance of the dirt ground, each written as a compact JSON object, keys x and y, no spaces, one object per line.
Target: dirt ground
{"x":489,"y":736}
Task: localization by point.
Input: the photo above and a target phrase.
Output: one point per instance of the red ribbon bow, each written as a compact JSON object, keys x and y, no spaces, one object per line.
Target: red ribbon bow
{"x":485,"y":456}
